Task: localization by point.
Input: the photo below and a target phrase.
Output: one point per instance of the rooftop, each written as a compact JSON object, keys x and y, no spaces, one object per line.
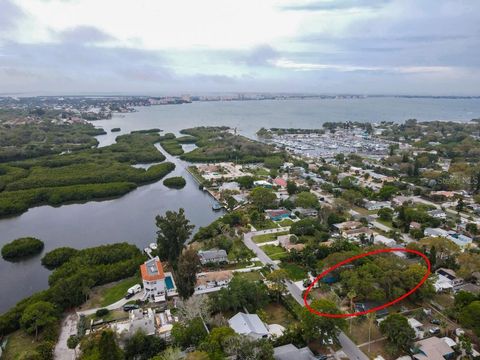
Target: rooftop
{"x":152,"y":270}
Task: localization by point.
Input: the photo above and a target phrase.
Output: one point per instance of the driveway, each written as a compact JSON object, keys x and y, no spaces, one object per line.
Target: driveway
{"x":114,"y":306}
{"x":69,"y":327}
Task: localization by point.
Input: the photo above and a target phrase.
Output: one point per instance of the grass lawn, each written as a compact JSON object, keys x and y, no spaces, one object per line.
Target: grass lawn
{"x":112,"y":315}
{"x":267,"y":224}
{"x":278,"y":314}
{"x":252,"y":275}
{"x":359,"y":330}
{"x":385,"y":222}
{"x":104,"y":295}
{"x":285,"y":222}
{"x":19,"y":346}
{"x":268,"y":237}
{"x":295,"y":272}
{"x":274,"y":252}
{"x":379,"y":348}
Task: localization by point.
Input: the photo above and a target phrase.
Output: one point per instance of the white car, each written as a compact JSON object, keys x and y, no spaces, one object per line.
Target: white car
{"x":153,"y":246}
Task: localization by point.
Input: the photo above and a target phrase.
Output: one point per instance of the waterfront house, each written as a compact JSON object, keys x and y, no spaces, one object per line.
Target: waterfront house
{"x":230,"y":186}
{"x":153,"y":279}
{"x":250,"y":325}
{"x":138,"y":320}
{"x":212,"y":256}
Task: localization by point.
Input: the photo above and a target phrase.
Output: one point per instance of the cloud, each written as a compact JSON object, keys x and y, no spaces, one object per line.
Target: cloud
{"x":84,"y":35}
{"x":329,"y":5}
{"x":10,"y":14}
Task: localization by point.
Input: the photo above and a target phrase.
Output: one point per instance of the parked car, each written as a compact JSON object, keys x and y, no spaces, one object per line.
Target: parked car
{"x":135,"y":289}
{"x":129,"y":307}
{"x":435,"y":330}
{"x":435,"y":321}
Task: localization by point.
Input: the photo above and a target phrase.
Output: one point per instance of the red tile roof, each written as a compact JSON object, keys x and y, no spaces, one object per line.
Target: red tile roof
{"x":148,"y":274}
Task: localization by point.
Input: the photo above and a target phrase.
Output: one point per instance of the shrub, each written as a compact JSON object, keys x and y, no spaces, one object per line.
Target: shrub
{"x":22,"y":247}
{"x":57,"y":257}
{"x":101,"y":312}
{"x":176,"y":182}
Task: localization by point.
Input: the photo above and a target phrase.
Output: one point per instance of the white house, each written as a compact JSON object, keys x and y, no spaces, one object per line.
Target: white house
{"x":437,"y":214}
{"x":153,"y":279}
{"x":377,"y":205}
{"x":447,"y":280}
{"x":250,"y":325}
{"x":380,"y":239}
{"x":138,"y":320}
{"x":213,"y":279}
{"x":417,"y":326}
{"x":290,"y":351}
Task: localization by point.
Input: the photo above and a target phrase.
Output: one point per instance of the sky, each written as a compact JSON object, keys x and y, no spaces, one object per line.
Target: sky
{"x":156,"y":47}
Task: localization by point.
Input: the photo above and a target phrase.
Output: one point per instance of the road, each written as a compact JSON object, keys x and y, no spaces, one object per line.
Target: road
{"x":348,"y":346}
{"x":113,"y":306}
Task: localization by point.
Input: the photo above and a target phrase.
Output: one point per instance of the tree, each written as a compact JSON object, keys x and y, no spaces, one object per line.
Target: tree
{"x":174,"y":229}
{"x":241,"y":347}
{"x":385,"y":214}
{"x":72,"y":343}
{"x":38,"y":316}
{"x":186,"y":273}
{"x":277,"y":278}
{"x":143,"y":347}
{"x":170,"y":354}
{"x":306,"y":199}
{"x":460,"y":205}
{"x":215,"y":342}
{"x":245,"y":182}
{"x":291,"y":187}
{"x":193,"y":307}
{"x":263,"y":198}
{"x":108,"y":348}
{"x":397,"y":330}
{"x":387,"y":191}
{"x":240,"y":293}
{"x":320,"y":327}
{"x":469,"y":316}
{"x":190,"y":333}
{"x":469,"y":263}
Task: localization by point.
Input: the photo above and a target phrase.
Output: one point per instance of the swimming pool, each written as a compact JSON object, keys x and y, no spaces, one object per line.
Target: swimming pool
{"x":169,"y":283}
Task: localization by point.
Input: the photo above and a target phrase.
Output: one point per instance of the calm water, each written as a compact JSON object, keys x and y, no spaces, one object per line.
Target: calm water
{"x":131,"y":218}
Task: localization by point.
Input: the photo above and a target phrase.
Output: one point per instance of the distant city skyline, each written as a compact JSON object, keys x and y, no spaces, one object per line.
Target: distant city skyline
{"x":390,"y":47}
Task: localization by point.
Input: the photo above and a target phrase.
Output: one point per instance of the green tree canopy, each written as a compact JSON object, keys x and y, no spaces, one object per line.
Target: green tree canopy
{"x":398,"y":332}
{"x":174,"y":229}
{"x":38,"y":316}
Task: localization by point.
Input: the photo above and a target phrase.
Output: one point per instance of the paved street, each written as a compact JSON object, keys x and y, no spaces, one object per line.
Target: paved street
{"x":69,"y":327}
{"x":348,"y":346}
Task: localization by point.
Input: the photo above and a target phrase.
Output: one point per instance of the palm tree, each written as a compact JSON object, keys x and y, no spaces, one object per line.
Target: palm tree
{"x":351,"y":295}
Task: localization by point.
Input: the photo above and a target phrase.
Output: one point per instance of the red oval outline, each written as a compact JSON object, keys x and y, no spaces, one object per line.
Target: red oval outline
{"x":359,"y":313}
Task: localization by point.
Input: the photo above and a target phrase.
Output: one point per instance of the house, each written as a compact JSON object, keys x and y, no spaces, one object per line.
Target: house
{"x":213,"y":279}
{"x":138,"y":320}
{"x":400,"y":200}
{"x":231,"y":186}
{"x":447,"y":280}
{"x":280,"y":182}
{"x":447,"y":194}
{"x":278,"y":215}
{"x":153,"y":279}
{"x":433,"y":348}
{"x":347,"y":225}
{"x":212,"y":256}
{"x":437,"y":214}
{"x":249,"y":324}
{"x":143,"y":321}
{"x":290,"y":351}
{"x":356,"y":234}
{"x":284,"y":241}
{"x":417,"y":326}
{"x":377,"y":205}
{"x":383,"y":240}
{"x":305,"y":212}
{"x":459,"y":239}
{"x":240,"y":198}
{"x":262,"y":183}
{"x":415,"y":225}
{"x":367,"y":305}
{"x":436,"y":232}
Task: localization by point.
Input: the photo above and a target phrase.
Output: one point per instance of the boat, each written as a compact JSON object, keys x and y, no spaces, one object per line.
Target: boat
{"x":217,"y":206}
{"x":153,"y":246}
